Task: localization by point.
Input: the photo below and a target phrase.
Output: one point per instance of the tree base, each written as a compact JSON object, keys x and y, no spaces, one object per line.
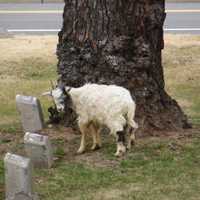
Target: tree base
{"x":123,"y":46}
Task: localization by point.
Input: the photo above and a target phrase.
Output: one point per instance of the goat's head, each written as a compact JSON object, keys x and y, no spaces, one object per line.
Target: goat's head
{"x":59,"y":94}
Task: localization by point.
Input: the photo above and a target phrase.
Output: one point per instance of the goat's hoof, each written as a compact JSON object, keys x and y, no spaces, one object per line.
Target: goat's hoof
{"x":133,"y":142}
{"x":128,"y":147}
{"x":119,"y":154}
{"x":95,"y":147}
{"x":80,"y":151}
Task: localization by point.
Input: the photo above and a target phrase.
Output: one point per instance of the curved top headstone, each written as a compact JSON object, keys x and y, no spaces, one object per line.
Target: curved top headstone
{"x":31,"y":113}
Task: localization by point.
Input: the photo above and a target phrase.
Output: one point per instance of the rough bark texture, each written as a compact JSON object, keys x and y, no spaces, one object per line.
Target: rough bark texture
{"x":120,"y":42}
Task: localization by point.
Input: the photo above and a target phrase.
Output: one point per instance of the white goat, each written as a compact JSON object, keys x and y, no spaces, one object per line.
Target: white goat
{"x":97,"y":106}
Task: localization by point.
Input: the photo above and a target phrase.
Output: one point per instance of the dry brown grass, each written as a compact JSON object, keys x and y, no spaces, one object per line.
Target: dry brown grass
{"x":184,"y":66}
{"x":182,"y":40}
{"x":21,"y":47}
{"x":27,"y":63}
{"x":181,"y":60}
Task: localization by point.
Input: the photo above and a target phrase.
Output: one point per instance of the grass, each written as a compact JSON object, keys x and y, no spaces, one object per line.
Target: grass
{"x":27,"y":69}
{"x":152,"y":171}
{"x":182,"y":72}
{"x":1,"y":179}
{"x":157,"y":168}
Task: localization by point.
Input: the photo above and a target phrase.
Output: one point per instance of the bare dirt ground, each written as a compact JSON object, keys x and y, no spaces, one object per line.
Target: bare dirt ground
{"x":66,"y":142}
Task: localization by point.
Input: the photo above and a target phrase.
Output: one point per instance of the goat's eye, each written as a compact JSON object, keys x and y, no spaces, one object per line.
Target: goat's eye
{"x":61,"y":101}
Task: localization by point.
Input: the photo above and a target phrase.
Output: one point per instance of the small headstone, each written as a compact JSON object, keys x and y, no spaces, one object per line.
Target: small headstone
{"x":31,"y":113}
{"x":38,"y":148}
{"x":18,"y":178}
{"x":22,"y":196}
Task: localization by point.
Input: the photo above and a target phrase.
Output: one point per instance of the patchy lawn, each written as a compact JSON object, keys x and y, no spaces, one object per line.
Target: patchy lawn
{"x":160,"y":168}
{"x":156,"y":168}
{"x":181,"y":60}
{"x":27,"y":64}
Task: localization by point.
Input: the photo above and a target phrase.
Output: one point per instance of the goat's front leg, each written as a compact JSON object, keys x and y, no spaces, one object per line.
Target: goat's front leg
{"x":121,"y":148}
{"x":96,"y":138}
{"x":83,"y":129}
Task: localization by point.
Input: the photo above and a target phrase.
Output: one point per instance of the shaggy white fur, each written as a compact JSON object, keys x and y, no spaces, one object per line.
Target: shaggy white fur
{"x":102,"y":105}
{"x":109,"y":105}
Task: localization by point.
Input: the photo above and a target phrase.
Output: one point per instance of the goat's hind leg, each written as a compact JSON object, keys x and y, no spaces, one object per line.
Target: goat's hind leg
{"x":132,"y":138}
{"x":121,"y":148}
{"x":99,"y":137}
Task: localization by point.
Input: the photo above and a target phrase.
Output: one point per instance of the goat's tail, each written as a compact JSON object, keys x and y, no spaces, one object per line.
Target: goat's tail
{"x":130,"y":117}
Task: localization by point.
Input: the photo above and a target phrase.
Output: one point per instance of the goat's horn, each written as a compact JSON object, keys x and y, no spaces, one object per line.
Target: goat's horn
{"x":47,"y":93}
{"x":52,"y":85}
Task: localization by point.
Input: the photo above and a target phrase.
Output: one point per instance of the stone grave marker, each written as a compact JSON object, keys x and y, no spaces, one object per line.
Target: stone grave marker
{"x":31,"y":113}
{"x":38,"y":148}
{"x":18,"y":178}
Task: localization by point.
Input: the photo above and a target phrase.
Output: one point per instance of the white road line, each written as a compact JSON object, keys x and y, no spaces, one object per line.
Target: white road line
{"x":33,"y":30}
{"x":182,"y":29}
{"x":184,"y":11}
{"x":61,"y":11}
{"x":57,"y":30}
{"x":31,"y":11}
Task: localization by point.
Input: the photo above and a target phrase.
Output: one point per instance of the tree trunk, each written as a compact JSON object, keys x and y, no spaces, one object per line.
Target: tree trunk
{"x":120,"y":42}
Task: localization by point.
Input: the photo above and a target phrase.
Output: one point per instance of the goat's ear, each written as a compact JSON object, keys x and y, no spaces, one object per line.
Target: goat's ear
{"x":49,"y":93}
{"x":67,"y":89}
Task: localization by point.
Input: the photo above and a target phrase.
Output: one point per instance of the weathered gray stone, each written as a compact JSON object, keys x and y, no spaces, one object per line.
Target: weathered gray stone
{"x":31,"y":113}
{"x":22,"y":196}
{"x":39,"y":150}
{"x":18,"y":178}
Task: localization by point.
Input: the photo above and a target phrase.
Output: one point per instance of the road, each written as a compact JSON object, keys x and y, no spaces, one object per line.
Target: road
{"x":47,"y":18}
{"x":31,"y":18}
{"x":183,"y":18}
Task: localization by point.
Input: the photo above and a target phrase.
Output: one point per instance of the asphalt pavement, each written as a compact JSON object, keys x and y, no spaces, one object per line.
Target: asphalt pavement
{"x":47,"y":18}
{"x":183,"y":18}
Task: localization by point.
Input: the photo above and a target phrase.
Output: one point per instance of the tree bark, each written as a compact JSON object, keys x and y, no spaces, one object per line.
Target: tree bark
{"x":120,"y":42}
